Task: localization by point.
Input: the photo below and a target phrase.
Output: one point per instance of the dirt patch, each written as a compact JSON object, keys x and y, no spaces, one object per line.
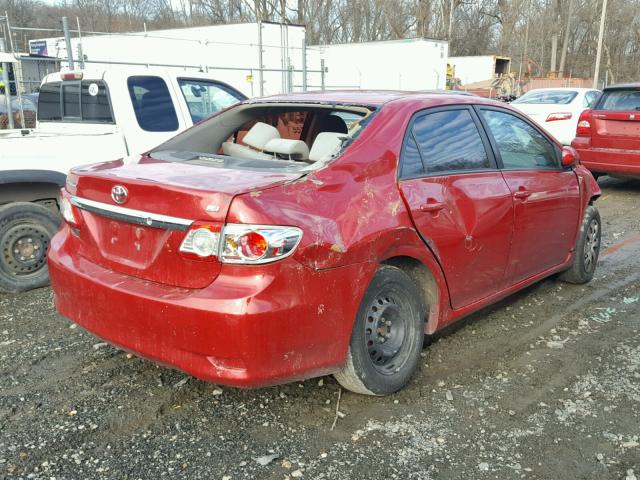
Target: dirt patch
{"x":544,"y":385}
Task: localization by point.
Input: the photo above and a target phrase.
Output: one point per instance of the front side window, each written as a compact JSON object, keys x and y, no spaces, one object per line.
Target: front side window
{"x":449,"y":141}
{"x":520,"y":145}
{"x":152,"y":104}
{"x":620,"y":100}
{"x":205,"y":98}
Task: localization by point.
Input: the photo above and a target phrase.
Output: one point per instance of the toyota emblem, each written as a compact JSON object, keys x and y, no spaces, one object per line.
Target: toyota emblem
{"x":119,"y":194}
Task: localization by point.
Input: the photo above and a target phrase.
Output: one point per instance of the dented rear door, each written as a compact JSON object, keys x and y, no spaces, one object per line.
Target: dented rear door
{"x":458,"y":200}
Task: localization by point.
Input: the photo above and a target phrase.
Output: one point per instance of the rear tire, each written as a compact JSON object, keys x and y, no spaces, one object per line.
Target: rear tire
{"x":25,"y":232}
{"x":387,"y":335}
{"x":587,"y":249}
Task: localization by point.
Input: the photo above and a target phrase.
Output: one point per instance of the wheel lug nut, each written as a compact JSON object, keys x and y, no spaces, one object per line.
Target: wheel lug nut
{"x":32,"y":256}
{"x":388,"y":323}
{"x":22,"y":258}
{"x":36,"y":247}
{"x":16,"y":251}
{"x":30,"y":240}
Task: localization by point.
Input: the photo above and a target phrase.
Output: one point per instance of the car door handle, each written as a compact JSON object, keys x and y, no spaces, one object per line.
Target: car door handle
{"x":431,"y":206}
{"x":522,"y":193}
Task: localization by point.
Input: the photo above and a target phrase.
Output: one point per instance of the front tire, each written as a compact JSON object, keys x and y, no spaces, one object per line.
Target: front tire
{"x":587,"y":249}
{"x":25,"y":232}
{"x":387,"y":335}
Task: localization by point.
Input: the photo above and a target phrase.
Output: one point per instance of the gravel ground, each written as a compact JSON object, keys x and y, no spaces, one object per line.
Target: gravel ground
{"x":544,"y":385}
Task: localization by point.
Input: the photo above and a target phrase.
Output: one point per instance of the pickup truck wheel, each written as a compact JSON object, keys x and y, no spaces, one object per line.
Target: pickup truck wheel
{"x":387,"y":335}
{"x":587,"y":249}
{"x":25,"y":232}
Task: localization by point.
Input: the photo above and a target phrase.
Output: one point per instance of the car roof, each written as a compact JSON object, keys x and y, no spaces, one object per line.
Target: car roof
{"x":568,"y":89}
{"x":622,"y":86}
{"x":374,"y":97}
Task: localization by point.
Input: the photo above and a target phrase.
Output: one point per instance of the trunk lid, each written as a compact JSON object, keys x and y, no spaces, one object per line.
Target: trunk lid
{"x":616,"y":120}
{"x":141,"y":236}
{"x":539,"y":112}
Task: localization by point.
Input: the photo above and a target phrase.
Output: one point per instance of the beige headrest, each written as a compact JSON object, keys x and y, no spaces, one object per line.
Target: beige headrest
{"x":260,"y":134}
{"x":294,"y":149}
{"x":325,"y":146}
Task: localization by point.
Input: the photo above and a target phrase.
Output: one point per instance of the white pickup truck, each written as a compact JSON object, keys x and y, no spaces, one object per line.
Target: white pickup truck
{"x":86,"y":117}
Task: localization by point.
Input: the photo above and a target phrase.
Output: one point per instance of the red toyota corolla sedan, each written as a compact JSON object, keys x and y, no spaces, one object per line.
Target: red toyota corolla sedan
{"x":302,"y":235}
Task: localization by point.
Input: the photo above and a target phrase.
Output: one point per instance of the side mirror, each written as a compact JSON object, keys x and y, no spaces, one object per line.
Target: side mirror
{"x":569,"y":157}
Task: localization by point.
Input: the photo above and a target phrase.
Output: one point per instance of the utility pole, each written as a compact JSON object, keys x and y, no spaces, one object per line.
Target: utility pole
{"x":600,"y":36}
{"x":67,"y":39}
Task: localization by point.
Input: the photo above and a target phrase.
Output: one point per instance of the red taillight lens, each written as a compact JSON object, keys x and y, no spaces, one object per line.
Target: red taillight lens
{"x":72,"y":76}
{"x":584,"y":124}
{"x":252,"y":246}
{"x":554,"y":117}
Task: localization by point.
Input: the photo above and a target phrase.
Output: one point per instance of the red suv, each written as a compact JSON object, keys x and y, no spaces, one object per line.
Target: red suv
{"x":608,"y":137}
{"x":309,"y":234}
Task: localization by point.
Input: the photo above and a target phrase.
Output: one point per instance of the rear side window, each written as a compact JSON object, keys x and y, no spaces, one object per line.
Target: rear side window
{"x":620,"y":100}
{"x":49,"y":102}
{"x":590,"y":99}
{"x":71,"y":100}
{"x":547,"y":97}
{"x":86,"y":101}
{"x":448,"y":142}
{"x":520,"y":145}
{"x":152,"y":104}
{"x":205,"y":98}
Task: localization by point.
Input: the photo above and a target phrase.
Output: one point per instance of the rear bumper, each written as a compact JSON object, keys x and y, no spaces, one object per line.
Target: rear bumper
{"x":607,"y":160}
{"x":253,"y":326}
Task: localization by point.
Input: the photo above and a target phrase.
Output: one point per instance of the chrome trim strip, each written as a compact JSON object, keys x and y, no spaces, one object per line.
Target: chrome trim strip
{"x":130,"y":215}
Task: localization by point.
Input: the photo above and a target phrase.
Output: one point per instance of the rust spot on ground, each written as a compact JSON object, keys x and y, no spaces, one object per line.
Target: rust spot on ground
{"x":630,"y":240}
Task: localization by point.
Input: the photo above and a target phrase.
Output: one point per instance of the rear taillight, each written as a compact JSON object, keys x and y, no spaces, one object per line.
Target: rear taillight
{"x":201,"y":241}
{"x":68,"y":211}
{"x":238,"y":243}
{"x":554,"y":117}
{"x":72,"y":76}
{"x":584,"y":124}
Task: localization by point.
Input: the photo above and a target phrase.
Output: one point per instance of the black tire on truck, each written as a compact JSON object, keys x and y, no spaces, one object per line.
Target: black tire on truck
{"x":25,"y":232}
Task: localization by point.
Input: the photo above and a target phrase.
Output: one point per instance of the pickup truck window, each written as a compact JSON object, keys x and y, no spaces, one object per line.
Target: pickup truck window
{"x":152,"y":103}
{"x":86,"y":101}
{"x":205,"y":98}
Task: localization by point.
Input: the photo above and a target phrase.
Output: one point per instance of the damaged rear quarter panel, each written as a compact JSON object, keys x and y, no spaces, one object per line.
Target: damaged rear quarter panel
{"x":351,"y":211}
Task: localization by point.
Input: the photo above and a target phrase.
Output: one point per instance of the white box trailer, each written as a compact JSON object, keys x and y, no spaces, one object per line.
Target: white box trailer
{"x":479,"y":68}
{"x":410,"y":64}
{"x":233,"y":53}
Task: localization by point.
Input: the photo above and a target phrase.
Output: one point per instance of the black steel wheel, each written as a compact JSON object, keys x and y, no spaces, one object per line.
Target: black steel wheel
{"x":587,"y":249}
{"x":387,"y":335}
{"x":25,"y":232}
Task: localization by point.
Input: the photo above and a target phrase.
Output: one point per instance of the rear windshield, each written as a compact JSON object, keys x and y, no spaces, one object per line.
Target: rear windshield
{"x":269,"y":136}
{"x":553,"y":97}
{"x":620,"y":100}
{"x":86,"y":101}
